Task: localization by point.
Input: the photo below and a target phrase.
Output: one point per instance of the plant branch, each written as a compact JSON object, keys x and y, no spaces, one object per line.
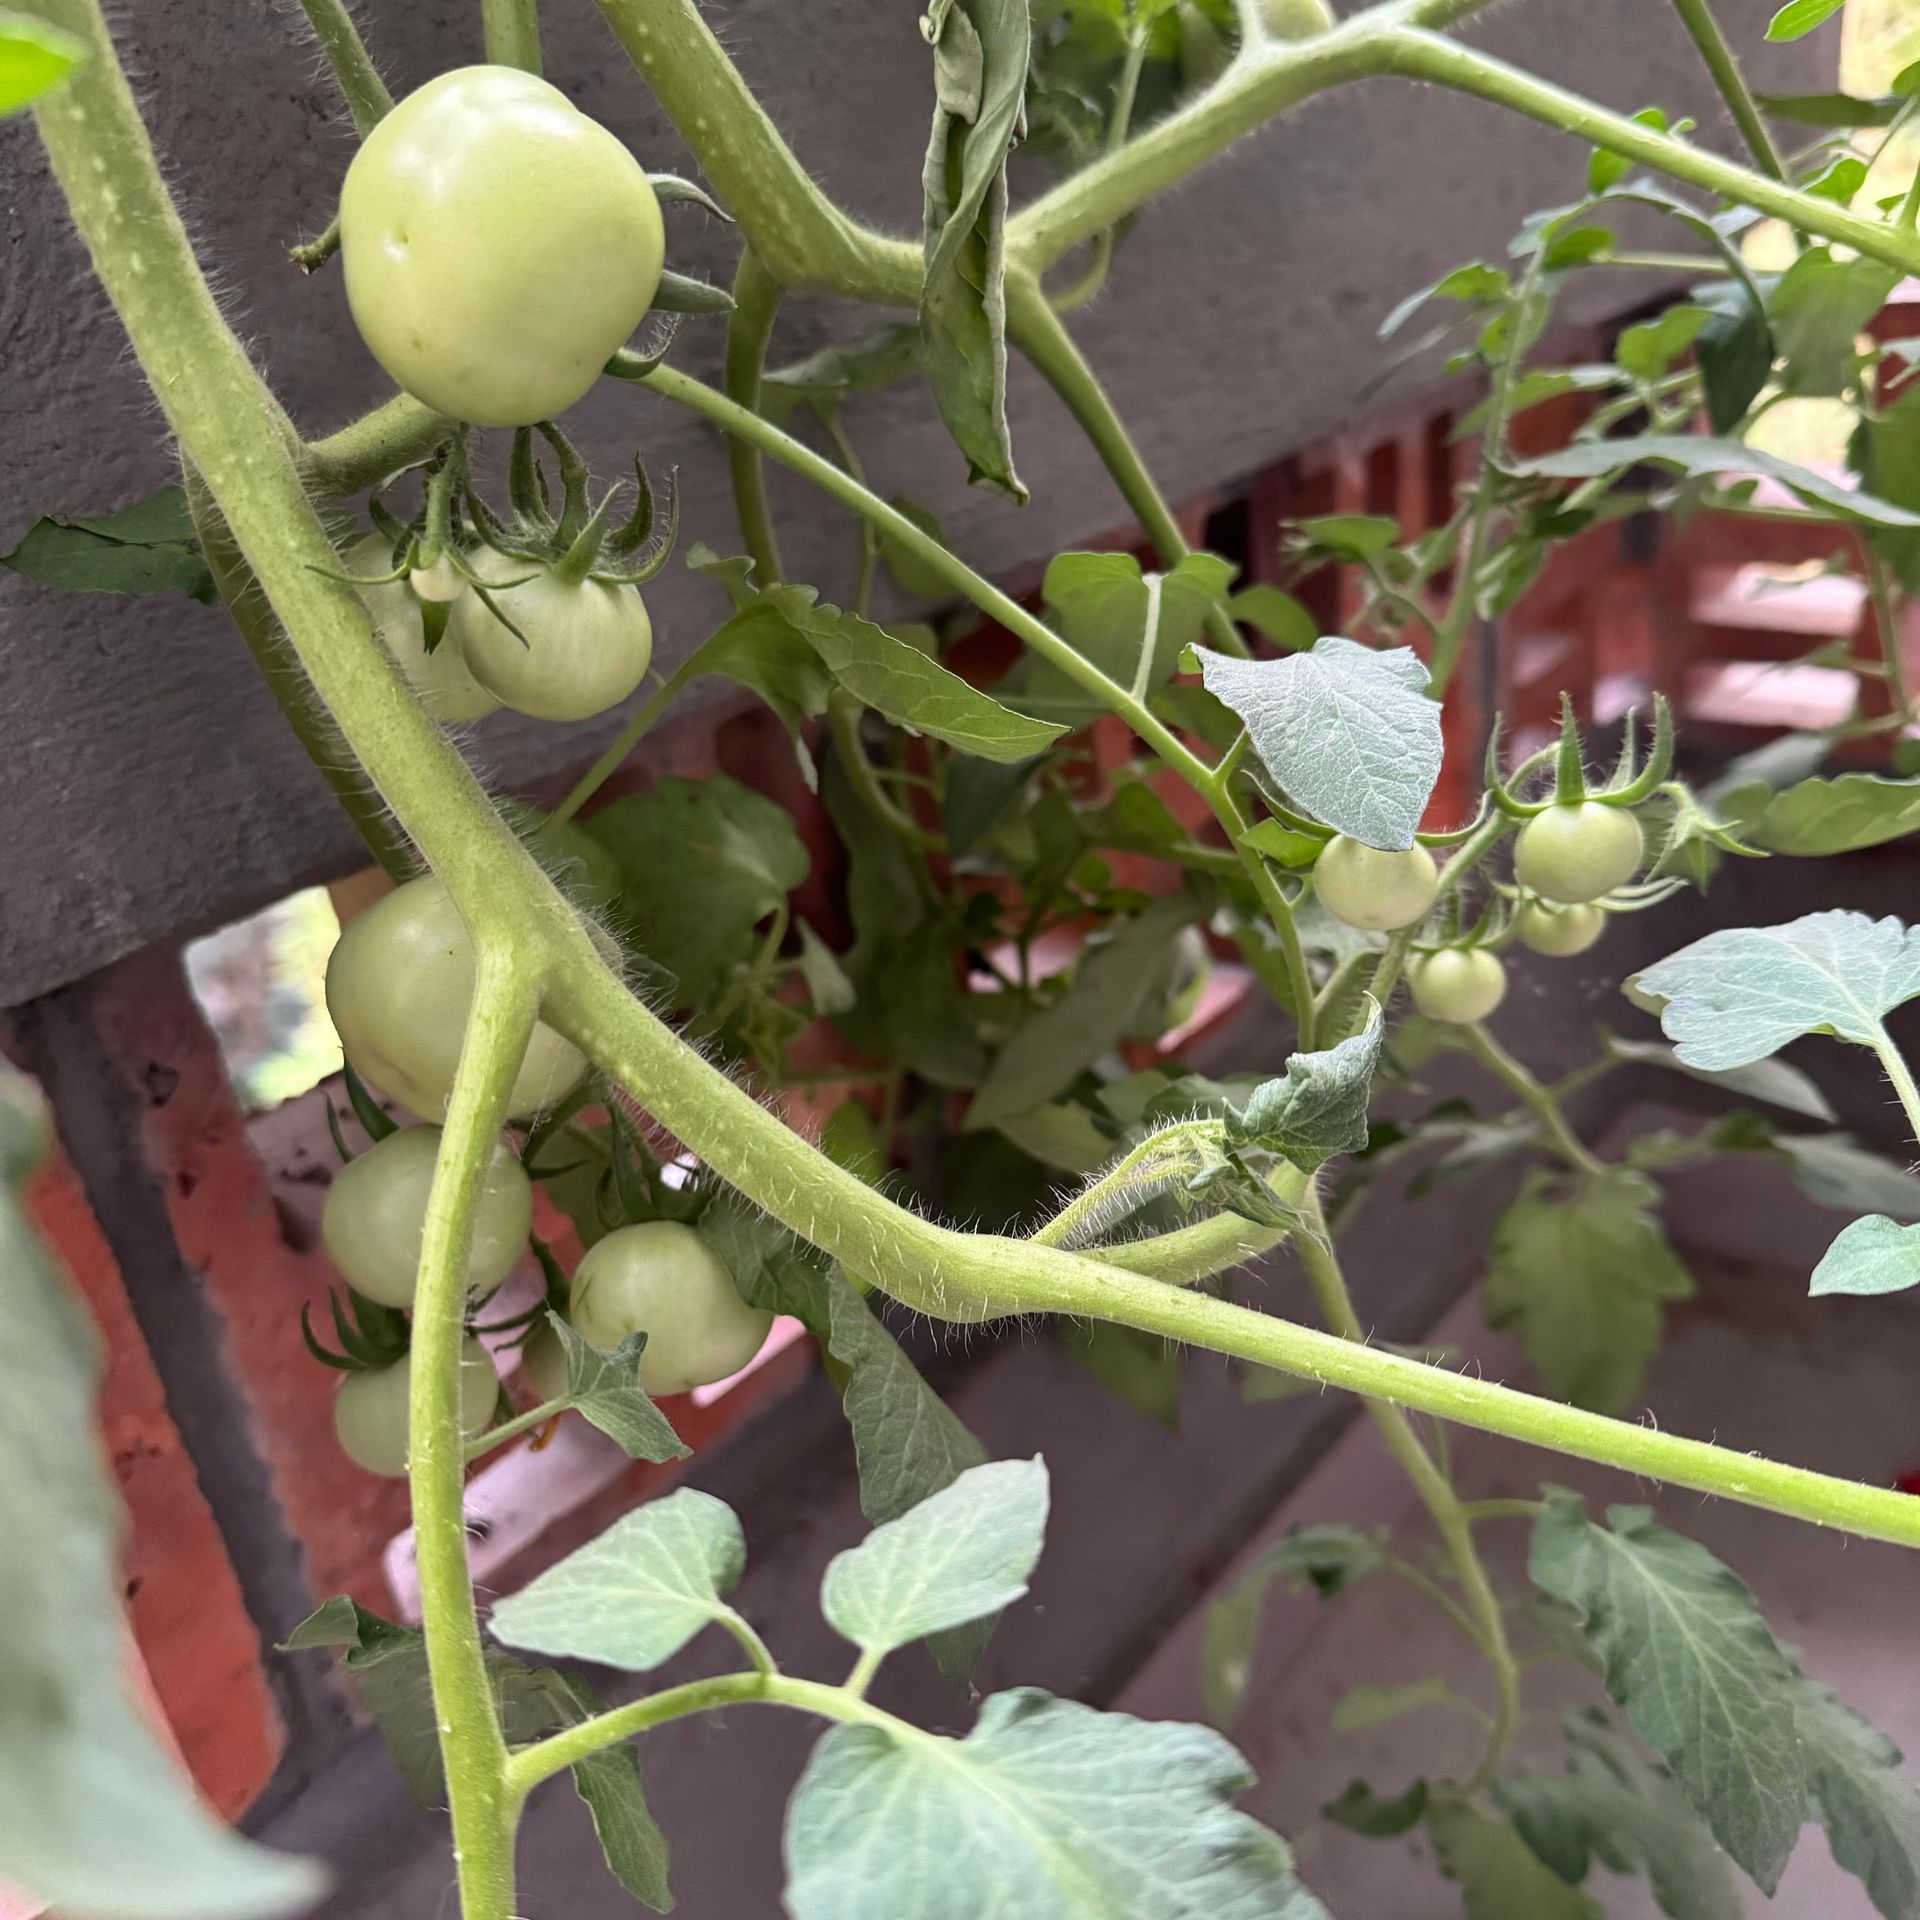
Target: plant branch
{"x":1538,"y":1099}
{"x":617,"y":750}
{"x":366,"y":451}
{"x":756,"y":300}
{"x":513,"y":33}
{"x":1697,"y":17}
{"x":365,"y":93}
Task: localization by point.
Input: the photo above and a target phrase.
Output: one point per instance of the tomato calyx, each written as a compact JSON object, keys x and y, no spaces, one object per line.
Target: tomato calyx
{"x":1627,"y":786}
{"x":371,"y":1337}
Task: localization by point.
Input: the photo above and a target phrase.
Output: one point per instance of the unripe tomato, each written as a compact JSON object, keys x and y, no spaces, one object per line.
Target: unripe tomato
{"x":1458,"y":984}
{"x":1296,"y":19}
{"x":376,"y":1214}
{"x":586,"y":645}
{"x":498,"y":246}
{"x":442,"y":581}
{"x":1205,"y":51}
{"x":446,"y":689}
{"x":1367,"y":888}
{"x":543,"y":1364}
{"x":662,"y":1279}
{"x":1573,"y":854}
{"x":370,"y":1410}
{"x":400,"y":990}
{"x":1561,"y":931}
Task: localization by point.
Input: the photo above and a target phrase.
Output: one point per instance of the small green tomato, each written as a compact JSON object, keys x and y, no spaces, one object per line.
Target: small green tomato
{"x":1459,"y":985}
{"x":400,"y":989}
{"x":376,"y":1213}
{"x":1296,"y":19}
{"x":1578,"y":853}
{"x":1561,"y":931}
{"x":442,"y":582}
{"x":446,"y":687}
{"x":370,"y":1410}
{"x":663,"y":1279}
{"x":543,"y":1364}
{"x":1368,"y":888}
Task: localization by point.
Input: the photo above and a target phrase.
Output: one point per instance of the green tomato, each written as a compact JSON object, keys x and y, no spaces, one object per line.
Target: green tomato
{"x":442,"y":581}
{"x":447,"y":690}
{"x":376,"y":1212}
{"x":1561,"y":931}
{"x":1296,"y":19}
{"x":400,"y":990}
{"x":585,"y":648}
{"x":499,"y":247}
{"x":1368,"y":888}
{"x":1578,"y":853}
{"x":1206,"y":51}
{"x":543,"y":1364}
{"x":662,"y":1279}
{"x":1458,"y":984}
{"x":370,"y":1410}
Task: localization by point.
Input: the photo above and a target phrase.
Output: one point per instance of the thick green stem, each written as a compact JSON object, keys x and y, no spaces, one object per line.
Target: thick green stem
{"x":363,"y":453}
{"x":756,"y":299}
{"x":471,"y":1742}
{"x":1539,"y":1101}
{"x":1901,"y":1075}
{"x":513,"y":33}
{"x":1886,"y":623}
{"x":1697,"y":17}
{"x":1482,"y":1604}
{"x":359,"y":80}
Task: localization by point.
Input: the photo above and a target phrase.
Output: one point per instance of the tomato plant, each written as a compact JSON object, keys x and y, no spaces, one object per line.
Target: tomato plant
{"x":1008,"y":995}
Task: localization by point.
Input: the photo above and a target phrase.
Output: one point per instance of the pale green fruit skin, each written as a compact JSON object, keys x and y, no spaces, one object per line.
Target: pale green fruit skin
{"x":400,"y":989}
{"x":446,"y":687}
{"x":376,"y":1213}
{"x":370,"y":1410}
{"x":662,"y":1279}
{"x":587,"y":647}
{"x":1205,"y":52}
{"x":1296,"y":19}
{"x":1561,"y":931}
{"x":442,"y":582}
{"x":1374,"y":890}
{"x":1578,"y":853}
{"x":1457,"y":985}
{"x":499,"y":246}
{"x":543,"y":1364}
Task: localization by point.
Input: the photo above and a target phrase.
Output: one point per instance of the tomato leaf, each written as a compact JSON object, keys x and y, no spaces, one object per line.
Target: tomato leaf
{"x":34,"y":58}
{"x":1835,"y":1170}
{"x":1500,"y":1877}
{"x":1837,"y":816}
{"x":602,"y":1386}
{"x":1745,"y":992}
{"x":1318,"y":1108}
{"x":826,"y":377}
{"x":1773,"y":1081}
{"x":1583,"y":1278}
{"x":1360,"y":1810}
{"x":1140,"y":1369}
{"x":1870,"y":1809}
{"x":1349,"y":733}
{"x":1799,"y":17}
{"x":95,"y":1814}
{"x":1833,"y":109}
{"x":1047,"y":1809}
{"x":1611,"y":1805}
{"x":1872,"y":1256}
{"x":958,"y":1555}
{"x":636,"y":1595}
{"x":1685,"y":1652}
{"x":1818,"y":309}
{"x":980,"y":54}
{"x":146,"y":548}
{"x":1329,"y":1558}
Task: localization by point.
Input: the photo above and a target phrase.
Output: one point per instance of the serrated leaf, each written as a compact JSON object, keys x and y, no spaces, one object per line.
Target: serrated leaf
{"x":1799,"y":17}
{"x":1818,"y":309}
{"x":1500,"y":1877}
{"x":1870,"y":1809}
{"x":636,"y":1595}
{"x":1048,"y":1810}
{"x":1837,"y":816}
{"x":960,"y":1554}
{"x":1649,"y":347}
{"x":1318,"y":1108}
{"x":606,"y":1390}
{"x":1833,"y":109}
{"x":1686,"y":1653}
{"x":1329,"y":1558}
{"x":1773,"y":1081}
{"x":1611,"y":1805}
{"x":34,"y":59}
{"x":145,"y":548}
{"x":1583,"y":1277}
{"x":1347,"y":731}
{"x":980,"y":55}
{"x":1872,"y":1256}
{"x":96,"y":1816}
{"x":1360,"y":1810}
{"x":1744,"y":992}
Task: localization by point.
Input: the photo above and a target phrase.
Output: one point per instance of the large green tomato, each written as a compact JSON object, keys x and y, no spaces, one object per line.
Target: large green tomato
{"x":1560,"y":931}
{"x":1458,"y":984}
{"x":400,"y":989}
{"x":370,"y":1410}
{"x":1578,"y":853}
{"x":1367,"y":888}
{"x":376,"y":1213}
{"x":581,"y":649}
{"x":499,"y":246}
{"x":664,"y":1280}
{"x":446,"y":688}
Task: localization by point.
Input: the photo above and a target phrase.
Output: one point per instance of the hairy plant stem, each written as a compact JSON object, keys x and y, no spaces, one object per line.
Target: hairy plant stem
{"x":365,"y":93}
{"x":1538,"y":1099}
{"x":1901,"y":1075}
{"x":756,"y":300}
{"x":1697,"y":17}
{"x":512,"y":33}
{"x":1481,"y":1604}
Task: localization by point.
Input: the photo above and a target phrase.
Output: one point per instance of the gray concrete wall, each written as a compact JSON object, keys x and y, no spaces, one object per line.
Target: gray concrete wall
{"x":147,"y":784}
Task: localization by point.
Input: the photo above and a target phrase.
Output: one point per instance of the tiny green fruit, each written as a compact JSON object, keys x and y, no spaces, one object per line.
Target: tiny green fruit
{"x":1560,"y":931}
{"x":1572,"y":854}
{"x":1460,"y":985}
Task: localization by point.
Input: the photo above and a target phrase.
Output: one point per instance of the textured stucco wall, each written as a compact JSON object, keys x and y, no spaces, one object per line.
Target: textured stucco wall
{"x":146,"y":782}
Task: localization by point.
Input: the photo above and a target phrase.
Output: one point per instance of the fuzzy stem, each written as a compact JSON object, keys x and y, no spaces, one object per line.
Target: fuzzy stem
{"x":1697,"y":17}
{"x":1538,"y":1099}
{"x":513,"y":33}
{"x":365,"y":93}
{"x":756,"y":300}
